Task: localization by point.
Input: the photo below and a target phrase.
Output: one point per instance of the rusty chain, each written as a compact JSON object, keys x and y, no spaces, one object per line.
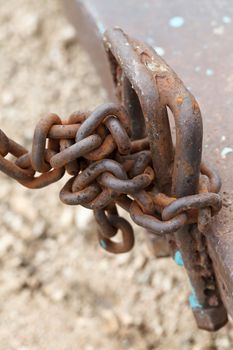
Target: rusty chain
{"x":123,"y":154}
{"x":112,"y":163}
{"x":107,"y":168}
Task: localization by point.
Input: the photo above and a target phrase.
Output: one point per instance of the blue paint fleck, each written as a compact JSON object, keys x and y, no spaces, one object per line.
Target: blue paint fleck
{"x":176,"y":22}
{"x":101,"y":27}
{"x":178,"y":258}
{"x":226,"y":19}
{"x":94,"y":13}
{"x":103,"y":244}
{"x":193,"y":301}
{"x":160,"y":51}
{"x":209,"y":72}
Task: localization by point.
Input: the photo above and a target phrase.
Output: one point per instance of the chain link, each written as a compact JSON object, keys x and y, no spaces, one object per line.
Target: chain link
{"x":107,"y":168}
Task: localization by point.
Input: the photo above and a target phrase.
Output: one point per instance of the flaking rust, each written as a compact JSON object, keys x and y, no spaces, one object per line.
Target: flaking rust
{"x":200,"y":69}
{"x":180,"y":177}
{"x":165,"y":188}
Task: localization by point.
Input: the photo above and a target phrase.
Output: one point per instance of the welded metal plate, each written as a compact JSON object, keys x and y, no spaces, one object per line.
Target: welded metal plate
{"x":195,"y":38}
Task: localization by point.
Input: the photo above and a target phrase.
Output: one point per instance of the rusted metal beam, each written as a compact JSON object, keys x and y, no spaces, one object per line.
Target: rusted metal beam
{"x":197,"y":44}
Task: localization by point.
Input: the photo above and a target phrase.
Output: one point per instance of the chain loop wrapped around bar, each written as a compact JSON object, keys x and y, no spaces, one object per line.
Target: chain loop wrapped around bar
{"x":125,"y":177}
{"x":165,"y":189}
{"x":108,"y":166}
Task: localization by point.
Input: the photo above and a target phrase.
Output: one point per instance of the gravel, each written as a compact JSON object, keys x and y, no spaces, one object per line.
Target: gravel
{"x":59,"y":290}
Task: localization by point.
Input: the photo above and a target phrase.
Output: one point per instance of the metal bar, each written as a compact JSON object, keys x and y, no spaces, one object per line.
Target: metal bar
{"x":157,"y":86}
{"x":122,"y":50}
{"x":203,"y":60}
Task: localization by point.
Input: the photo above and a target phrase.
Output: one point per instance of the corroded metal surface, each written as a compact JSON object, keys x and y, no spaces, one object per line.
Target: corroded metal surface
{"x":158,"y":179}
{"x":103,"y":176}
{"x":197,"y":44}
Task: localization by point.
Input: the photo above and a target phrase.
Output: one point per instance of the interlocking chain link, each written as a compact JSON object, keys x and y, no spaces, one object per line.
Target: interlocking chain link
{"x":123,"y":155}
{"x":107,"y":168}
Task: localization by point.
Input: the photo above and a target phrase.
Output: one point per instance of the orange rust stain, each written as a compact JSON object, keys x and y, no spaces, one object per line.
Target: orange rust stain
{"x":188,"y":169}
{"x":162,"y":200}
{"x":195,"y":106}
{"x":179,"y":100}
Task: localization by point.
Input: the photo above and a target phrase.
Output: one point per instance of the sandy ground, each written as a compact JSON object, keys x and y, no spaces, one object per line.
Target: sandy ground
{"x":59,"y":290}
